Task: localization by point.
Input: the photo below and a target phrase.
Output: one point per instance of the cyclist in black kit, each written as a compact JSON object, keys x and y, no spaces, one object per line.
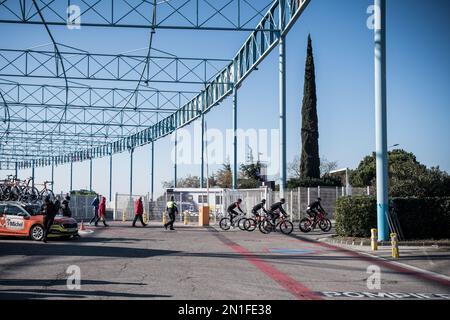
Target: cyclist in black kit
{"x":231,"y":209}
{"x":313,"y":209}
{"x":258,"y":207}
{"x":276,"y":209}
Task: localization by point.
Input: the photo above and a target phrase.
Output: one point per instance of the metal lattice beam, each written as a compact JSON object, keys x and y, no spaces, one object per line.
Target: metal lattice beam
{"x":228,"y":15}
{"x":94,"y":66}
{"x":257,"y":46}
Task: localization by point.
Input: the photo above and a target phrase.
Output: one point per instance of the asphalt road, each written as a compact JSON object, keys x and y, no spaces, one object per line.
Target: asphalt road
{"x":121,"y":262}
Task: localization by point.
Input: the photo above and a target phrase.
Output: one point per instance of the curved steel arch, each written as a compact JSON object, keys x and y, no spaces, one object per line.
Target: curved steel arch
{"x":263,"y":39}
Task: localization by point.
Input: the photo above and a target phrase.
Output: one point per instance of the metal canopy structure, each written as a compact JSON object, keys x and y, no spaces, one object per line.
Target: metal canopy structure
{"x":84,"y":121}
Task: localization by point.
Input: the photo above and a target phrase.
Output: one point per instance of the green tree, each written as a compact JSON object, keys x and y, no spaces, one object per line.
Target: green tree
{"x":224,"y":176}
{"x":407,"y":176}
{"x":249,"y":175}
{"x":310,"y":161}
{"x":186,"y":182}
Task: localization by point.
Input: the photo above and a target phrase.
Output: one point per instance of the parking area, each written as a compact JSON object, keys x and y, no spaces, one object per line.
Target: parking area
{"x":121,"y":262}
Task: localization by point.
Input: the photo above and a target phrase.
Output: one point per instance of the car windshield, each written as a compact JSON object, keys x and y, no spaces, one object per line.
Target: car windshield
{"x":33,"y":209}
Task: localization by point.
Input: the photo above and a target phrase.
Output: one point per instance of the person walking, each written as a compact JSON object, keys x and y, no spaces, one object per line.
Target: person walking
{"x":138,"y":212}
{"x":172,"y":209}
{"x":95,"y":203}
{"x":102,"y":213}
{"x":65,"y":207}
{"x":57,"y":204}
{"x":49,"y":216}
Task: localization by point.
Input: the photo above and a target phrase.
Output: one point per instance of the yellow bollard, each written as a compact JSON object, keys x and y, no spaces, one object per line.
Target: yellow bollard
{"x":123,"y":215}
{"x":394,"y":243}
{"x":374,"y":239}
{"x":186,"y":218}
{"x":164,"y":217}
{"x":145,"y":218}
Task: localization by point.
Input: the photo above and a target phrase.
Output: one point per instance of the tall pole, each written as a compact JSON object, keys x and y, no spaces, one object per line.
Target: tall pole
{"x":175,"y":162}
{"x":202,"y":177}
{"x":16,"y":171}
{"x":90,"y":175}
{"x":32,"y":175}
{"x":53,"y":174}
{"x":110,"y":175}
{"x":380,"y":119}
{"x":71,"y":175}
{"x":131,"y":171}
{"x":152,"y":172}
{"x":282,"y":97}
{"x":235,"y":166}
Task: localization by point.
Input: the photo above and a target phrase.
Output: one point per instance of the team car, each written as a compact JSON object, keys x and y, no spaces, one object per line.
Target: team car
{"x":26,"y":220}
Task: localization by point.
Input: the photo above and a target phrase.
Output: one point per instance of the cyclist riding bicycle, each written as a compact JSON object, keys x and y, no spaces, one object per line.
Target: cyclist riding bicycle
{"x":231,"y":209}
{"x":259,"y":206}
{"x":276,"y":209}
{"x":313,"y":209}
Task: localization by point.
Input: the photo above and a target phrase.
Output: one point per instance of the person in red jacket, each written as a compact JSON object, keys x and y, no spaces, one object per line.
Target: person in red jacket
{"x":102,"y":212}
{"x":138,"y":212}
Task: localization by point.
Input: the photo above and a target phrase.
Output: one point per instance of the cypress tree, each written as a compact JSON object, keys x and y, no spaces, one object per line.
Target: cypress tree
{"x":310,"y":161}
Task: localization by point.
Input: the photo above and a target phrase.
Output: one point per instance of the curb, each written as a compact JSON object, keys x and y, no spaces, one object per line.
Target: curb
{"x":367,"y":243}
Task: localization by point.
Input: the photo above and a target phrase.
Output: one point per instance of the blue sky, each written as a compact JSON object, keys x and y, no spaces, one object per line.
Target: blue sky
{"x":418,"y":78}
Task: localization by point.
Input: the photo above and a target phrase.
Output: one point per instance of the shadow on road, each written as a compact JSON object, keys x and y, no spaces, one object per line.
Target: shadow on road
{"x":15,"y":294}
{"x":58,"y":282}
{"x":76,"y":250}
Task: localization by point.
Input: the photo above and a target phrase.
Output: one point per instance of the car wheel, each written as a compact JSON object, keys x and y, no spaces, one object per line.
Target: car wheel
{"x":37,"y":232}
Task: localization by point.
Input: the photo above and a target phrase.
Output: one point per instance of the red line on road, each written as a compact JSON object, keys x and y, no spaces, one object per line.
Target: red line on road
{"x":380,"y":262}
{"x":300,"y":291}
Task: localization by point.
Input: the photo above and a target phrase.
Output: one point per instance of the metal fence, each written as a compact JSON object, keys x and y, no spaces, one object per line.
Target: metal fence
{"x":81,"y":207}
{"x":124,"y":206}
{"x":296,"y":201}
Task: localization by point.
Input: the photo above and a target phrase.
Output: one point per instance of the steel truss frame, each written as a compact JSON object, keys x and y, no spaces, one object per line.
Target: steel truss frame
{"x":262,"y":40}
{"x":226,"y":15}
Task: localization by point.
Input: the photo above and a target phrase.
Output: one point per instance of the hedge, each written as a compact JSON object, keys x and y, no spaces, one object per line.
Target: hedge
{"x":420,"y":218}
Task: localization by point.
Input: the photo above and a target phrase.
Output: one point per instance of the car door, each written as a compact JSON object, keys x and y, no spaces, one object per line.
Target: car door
{"x":17,"y":220}
{"x":3,"y":229}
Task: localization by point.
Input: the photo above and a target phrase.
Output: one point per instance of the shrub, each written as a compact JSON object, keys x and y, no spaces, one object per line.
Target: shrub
{"x":325,"y":181}
{"x":420,"y":218}
{"x":424,"y":218}
{"x":355,"y":216}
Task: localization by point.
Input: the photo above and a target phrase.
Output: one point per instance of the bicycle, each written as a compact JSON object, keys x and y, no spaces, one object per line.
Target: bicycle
{"x":239,"y":220}
{"x":308,"y":224}
{"x":11,"y":189}
{"x":281,"y":222}
{"x":46,"y":192}
{"x":28,"y":193}
{"x":251,"y":224}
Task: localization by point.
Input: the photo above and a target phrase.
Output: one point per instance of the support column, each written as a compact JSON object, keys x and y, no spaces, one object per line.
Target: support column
{"x":90,"y":174}
{"x":152,"y":172}
{"x":380,"y":120}
{"x":131,"y":171}
{"x":32,"y":174}
{"x":282,"y":101}
{"x":202,"y":176}
{"x":175,"y":163}
{"x":71,"y":175}
{"x":53,"y":174}
{"x":235,"y":165}
{"x":110,"y":176}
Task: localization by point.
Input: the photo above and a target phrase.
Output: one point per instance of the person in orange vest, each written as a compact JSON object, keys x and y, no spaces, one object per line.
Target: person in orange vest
{"x":138,"y":212}
{"x":102,"y":212}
